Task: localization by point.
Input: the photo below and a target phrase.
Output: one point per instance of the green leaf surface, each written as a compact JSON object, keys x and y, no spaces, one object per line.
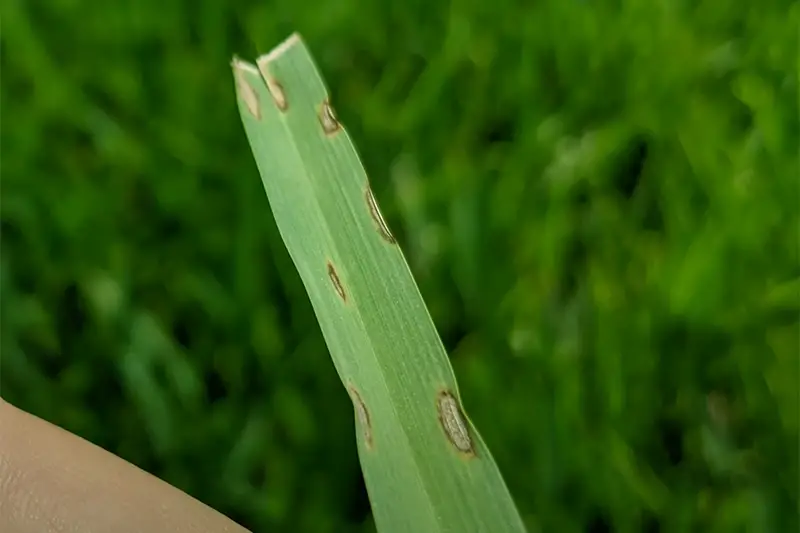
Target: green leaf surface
{"x":425,"y":466}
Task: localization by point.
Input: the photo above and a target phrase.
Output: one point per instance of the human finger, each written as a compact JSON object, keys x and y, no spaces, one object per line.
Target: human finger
{"x":54,"y":481}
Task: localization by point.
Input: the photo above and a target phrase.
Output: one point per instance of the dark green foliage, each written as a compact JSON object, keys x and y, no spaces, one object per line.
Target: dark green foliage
{"x":599,"y":201}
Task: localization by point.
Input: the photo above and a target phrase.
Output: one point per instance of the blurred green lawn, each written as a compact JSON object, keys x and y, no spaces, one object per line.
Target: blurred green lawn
{"x":599,"y":200}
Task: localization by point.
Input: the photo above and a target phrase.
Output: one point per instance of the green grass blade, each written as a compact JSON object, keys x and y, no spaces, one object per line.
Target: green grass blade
{"x":425,"y":466}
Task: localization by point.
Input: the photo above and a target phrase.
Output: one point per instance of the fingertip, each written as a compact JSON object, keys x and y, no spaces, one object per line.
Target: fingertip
{"x":52,"y":480}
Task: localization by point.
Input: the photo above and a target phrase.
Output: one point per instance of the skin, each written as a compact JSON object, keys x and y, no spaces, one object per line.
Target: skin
{"x":54,"y":481}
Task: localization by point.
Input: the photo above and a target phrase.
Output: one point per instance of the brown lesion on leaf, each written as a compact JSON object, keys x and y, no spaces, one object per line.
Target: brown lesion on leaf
{"x":337,"y":283}
{"x":327,"y":118}
{"x":454,"y":423}
{"x":274,"y":87}
{"x":377,"y":217}
{"x":278,"y":94}
{"x":245,"y":90}
{"x":362,"y":415}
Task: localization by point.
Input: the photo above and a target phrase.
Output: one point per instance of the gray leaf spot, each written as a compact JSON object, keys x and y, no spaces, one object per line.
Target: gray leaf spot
{"x":274,"y":86}
{"x":337,"y":283}
{"x":377,"y":217}
{"x":246,"y":91}
{"x":330,"y":124}
{"x":362,"y":415}
{"x":453,"y":422}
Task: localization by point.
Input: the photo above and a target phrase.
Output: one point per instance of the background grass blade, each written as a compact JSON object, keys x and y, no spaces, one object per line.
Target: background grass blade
{"x":425,"y":466}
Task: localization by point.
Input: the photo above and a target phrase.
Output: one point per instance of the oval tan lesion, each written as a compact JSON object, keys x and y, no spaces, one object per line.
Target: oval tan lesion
{"x":454,"y":423}
{"x":246,"y":91}
{"x":278,"y":94}
{"x":327,"y":118}
{"x":377,"y":217}
{"x":337,"y":283}
{"x":274,"y":87}
{"x":362,"y":415}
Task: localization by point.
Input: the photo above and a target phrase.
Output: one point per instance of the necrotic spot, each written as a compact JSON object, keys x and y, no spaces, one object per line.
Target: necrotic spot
{"x":362,"y":415}
{"x":375,"y":212}
{"x":246,"y":91}
{"x":337,"y":284}
{"x":274,"y":86}
{"x":330,"y":124}
{"x":276,"y":90}
{"x":454,"y":423}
